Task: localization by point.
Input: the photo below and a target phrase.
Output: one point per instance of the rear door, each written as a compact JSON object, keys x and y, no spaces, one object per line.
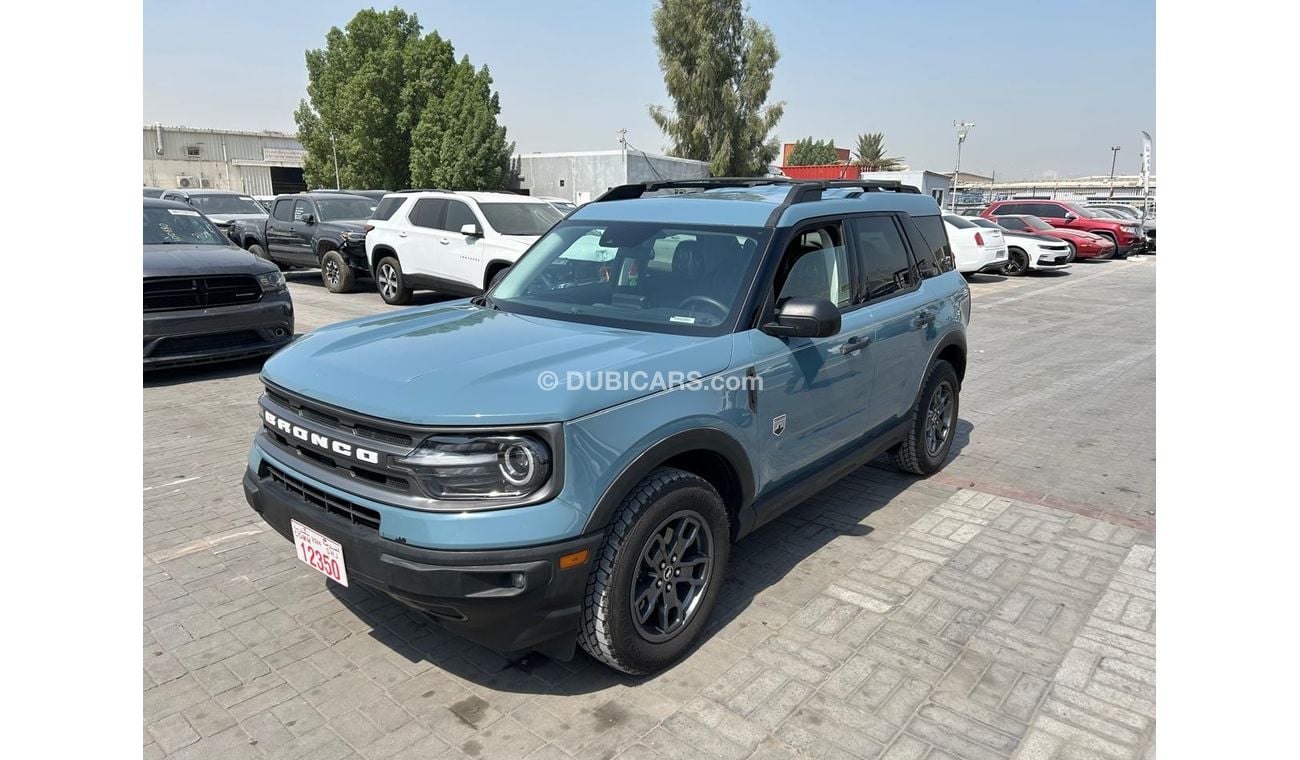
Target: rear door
{"x":899,"y":314}
{"x":419,"y":245}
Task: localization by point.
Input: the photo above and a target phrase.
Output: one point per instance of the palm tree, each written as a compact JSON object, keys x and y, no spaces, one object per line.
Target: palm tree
{"x":871,"y":154}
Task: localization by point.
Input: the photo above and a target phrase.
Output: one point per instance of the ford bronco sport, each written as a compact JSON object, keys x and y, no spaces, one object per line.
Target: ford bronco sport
{"x":568,"y":457}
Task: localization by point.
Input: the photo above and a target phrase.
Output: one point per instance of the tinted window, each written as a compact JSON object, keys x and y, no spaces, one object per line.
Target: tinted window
{"x":284,"y":210}
{"x":1046,"y":210}
{"x":939,"y":258}
{"x":520,"y":218}
{"x":980,"y":221}
{"x":427,"y":212}
{"x":387,"y":207}
{"x":173,"y":197}
{"x":226,"y":204}
{"x":300,"y":209}
{"x":883,"y":255}
{"x":960,"y":223}
{"x":816,"y":265}
{"x":179,"y":226}
{"x":458,"y":215}
{"x":1012,"y":223}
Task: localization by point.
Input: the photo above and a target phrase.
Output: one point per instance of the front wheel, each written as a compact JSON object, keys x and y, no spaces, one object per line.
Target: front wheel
{"x":388,"y":278}
{"x":934,"y":423}
{"x":336,"y":274}
{"x":658,"y":574}
{"x":1017,"y":263}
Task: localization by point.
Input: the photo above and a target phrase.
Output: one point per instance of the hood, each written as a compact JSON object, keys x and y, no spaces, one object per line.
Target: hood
{"x":460,"y":364}
{"x":351,"y":225}
{"x":521,"y":242}
{"x":191,"y":260}
{"x":228,"y":218}
{"x":1073,"y":235}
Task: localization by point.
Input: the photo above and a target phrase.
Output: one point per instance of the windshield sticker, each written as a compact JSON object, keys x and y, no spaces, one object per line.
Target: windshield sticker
{"x":182,"y":212}
{"x":683,"y":320}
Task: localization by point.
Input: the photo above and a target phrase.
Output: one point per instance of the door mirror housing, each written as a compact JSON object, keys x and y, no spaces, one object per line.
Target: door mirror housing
{"x":1069,"y":217}
{"x":470,"y":230}
{"x":804,"y":318}
{"x":308,"y":219}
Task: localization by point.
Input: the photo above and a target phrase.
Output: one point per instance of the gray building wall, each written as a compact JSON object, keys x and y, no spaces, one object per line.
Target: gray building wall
{"x":219,"y":159}
{"x":583,"y":176}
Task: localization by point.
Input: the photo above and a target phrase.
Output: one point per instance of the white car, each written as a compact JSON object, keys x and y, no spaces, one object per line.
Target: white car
{"x":562,"y":205}
{"x":976,"y":248}
{"x":1027,"y":252}
{"x":450,"y":242}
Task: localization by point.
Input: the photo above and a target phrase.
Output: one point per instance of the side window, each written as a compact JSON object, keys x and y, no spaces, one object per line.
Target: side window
{"x":301,"y":208}
{"x":1048,"y":211}
{"x":428,"y":212}
{"x":882,"y":255}
{"x":458,"y":215}
{"x":816,"y":265}
{"x":173,"y":197}
{"x":1010,"y":208}
{"x":387,"y":207}
{"x":1012,"y":223}
{"x":938,"y":258}
{"x":283,"y":210}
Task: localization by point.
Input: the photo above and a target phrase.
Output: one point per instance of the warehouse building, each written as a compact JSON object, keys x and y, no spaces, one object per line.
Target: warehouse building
{"x":581,"y":176}
{"x":257,"y":163}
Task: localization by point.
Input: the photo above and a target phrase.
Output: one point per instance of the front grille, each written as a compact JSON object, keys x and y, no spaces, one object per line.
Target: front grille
{"x":353,"y":513}
{"x":197,"y":344}
{"x":176,"y":293}
{"x":356,"y":427}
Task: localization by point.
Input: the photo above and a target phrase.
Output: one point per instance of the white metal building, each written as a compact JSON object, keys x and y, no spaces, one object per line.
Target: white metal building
{"x":584,"y":175}
{"x":257,"y":163}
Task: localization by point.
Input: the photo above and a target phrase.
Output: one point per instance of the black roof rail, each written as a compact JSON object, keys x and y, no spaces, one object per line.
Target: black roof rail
{"x":423,"y":190}
{"x":869,"y":185}
{"x":801,"y":190}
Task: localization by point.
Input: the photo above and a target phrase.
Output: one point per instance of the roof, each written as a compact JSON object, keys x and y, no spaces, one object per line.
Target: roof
{"x":473,"y":195}
{"x":210,"y":131}
{"x":748,"y":203}
{"x":198,"y":191}
{"x":160,"y":203}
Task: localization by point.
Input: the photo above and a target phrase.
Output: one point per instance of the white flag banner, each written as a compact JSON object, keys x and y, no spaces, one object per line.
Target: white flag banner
{"x":1146,"y":163}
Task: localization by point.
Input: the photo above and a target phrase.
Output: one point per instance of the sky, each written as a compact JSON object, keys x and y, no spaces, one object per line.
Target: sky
{"x":1049,"y":84}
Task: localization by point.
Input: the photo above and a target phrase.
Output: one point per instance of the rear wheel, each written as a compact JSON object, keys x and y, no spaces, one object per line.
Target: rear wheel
{"x":335,"y":273}
{"x":658,"y":574}
{"x":1017,"y":263}
{"x":934,"y":423}
{"x":388,"y":279}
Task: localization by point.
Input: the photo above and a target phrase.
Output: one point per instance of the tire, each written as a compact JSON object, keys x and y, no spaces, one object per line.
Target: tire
{"x":612,"y":631}
{"x":1114,"y":251}
{"x":917,"y":453}
{"x":335,"y":273}
{"x":1074,"y":252}
{"x":1017,"y":263}
{"x":390,"y":283}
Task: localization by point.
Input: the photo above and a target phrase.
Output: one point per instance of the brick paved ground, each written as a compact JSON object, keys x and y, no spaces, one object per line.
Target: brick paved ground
{"x":888,"y":617}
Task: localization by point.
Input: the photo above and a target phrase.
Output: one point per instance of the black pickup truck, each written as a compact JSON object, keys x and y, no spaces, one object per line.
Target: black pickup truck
{"x":325,"y":230}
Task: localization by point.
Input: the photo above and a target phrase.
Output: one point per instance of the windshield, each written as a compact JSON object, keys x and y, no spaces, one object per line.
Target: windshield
{"x":226,"y":204}
{"x":336,"y":209}
{"x":1122,"y":212}
{"x":982,"y":222}
{"x":179,"y":226}
{"x":639,"y":275}
{"x":520,"y":218}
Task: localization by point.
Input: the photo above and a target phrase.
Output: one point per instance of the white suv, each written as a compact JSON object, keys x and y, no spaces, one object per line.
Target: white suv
{"x":450,"y":242}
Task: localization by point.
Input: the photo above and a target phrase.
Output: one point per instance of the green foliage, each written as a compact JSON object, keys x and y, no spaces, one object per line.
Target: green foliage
{"x":717,"y":66}
{"x":871,"y":154}
{"x":374,"y":85}
{"x":810,"y":152}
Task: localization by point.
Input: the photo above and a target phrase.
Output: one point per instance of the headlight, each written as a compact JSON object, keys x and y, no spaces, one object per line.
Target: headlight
{"x":271,"y":281}
{"x":350,"y":236}
{"x":480,"y":466}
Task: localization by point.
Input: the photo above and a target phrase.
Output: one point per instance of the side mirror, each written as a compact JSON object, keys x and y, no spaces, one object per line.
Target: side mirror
{"x":470,"y":230}
{"x":1070,"y":217}
{"x":308,"y":219}
{"x":804,"y":318}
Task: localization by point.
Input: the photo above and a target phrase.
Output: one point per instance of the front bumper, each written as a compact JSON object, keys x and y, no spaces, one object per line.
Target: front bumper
{"x":354,"y":252}
{"x":509,"y":600}
{"x":221,"y":333}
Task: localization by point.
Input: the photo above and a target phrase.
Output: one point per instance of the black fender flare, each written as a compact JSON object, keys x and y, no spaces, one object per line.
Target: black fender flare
{"x":951,"y":338}
{"x":494,"y":263}
{"x":708,"y":439}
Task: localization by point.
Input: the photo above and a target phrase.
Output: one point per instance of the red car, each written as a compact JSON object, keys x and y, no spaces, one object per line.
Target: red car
{"x":1127,"y":236}
{"x":1086,"y":244}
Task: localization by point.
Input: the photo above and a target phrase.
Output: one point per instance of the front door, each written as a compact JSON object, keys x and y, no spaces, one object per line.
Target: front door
{"x":305,"y":219}
{"x":463,"y":261}
{"x":812,"y":392}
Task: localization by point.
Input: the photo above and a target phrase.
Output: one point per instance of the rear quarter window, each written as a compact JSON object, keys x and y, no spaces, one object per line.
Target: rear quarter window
{"x":936,"y":257}
{"x":387,"y":207}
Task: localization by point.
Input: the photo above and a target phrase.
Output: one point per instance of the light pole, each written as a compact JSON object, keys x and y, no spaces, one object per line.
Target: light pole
{"x":338,"y":185}
{"x":1114,"y":152}
{"x":963,"y":127}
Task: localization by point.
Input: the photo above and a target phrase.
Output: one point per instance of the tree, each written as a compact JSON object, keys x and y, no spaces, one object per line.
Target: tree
{"x":717,"y":66}
{"x":369,"y":90}
{"x":871,"y":154}
{"x":810,"y":152}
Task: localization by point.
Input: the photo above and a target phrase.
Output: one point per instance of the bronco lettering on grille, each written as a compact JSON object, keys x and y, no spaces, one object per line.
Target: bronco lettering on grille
{"x":320,"y":441}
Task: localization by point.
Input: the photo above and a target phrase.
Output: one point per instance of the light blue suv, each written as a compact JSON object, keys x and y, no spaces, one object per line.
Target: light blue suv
{"x":569,"y":457}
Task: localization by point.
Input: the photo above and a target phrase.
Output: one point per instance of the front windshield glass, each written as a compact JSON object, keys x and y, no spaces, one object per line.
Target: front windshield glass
{"x":520,"y":218}
{"x":639,"y":275}
{"x":179,"y":226}
{"x":336,"y":209}
{"x":226,"y":204}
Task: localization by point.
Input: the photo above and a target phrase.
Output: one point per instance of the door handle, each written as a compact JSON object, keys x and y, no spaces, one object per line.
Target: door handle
{"x":924,"y":318}
{"x":445,"y":241}
{"x":854,"y":345}
{"x":401,"y":234}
